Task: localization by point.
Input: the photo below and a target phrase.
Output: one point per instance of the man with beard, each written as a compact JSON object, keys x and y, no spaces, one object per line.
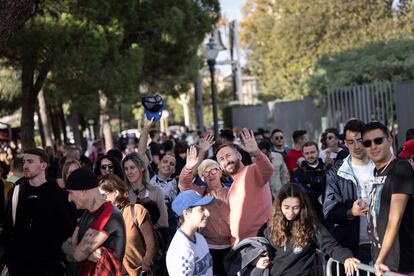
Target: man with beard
{"x":391,"y":203}
{"x":249,"y":196}
{"x":311,"y":176}
{"x":348,"y":184}
{"x":38,"y":219}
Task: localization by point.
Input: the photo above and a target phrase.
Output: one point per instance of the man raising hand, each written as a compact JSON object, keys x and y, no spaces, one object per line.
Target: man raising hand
{"x":249,"y":196}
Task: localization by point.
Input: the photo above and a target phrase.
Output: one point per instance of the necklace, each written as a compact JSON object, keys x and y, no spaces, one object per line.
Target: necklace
{"x":386,"y":166}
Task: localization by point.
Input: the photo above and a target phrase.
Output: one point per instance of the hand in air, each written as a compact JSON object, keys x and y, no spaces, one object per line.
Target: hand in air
{"x":249,"y":144}
{"x":206,"y":142}
{"x":192,"y":158}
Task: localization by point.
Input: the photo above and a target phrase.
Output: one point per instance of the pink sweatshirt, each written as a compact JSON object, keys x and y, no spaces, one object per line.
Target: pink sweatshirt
{"x":250,"y":199}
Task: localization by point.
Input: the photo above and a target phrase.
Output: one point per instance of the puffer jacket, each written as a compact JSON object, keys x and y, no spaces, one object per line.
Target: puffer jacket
{"x":237,"y":261}
{"x":342,"y":189}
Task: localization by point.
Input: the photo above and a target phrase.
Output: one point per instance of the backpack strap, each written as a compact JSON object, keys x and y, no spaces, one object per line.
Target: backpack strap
{"x":15,"y":200}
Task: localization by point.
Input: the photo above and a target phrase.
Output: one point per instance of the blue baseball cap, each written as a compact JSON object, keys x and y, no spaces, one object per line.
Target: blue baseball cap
{"x":153,"y":106}
{"x":188,"y":199}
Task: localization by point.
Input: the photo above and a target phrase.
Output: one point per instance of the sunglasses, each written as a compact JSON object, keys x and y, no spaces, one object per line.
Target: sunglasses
{"x":109,"y":166}
{"x":278,"y":138}
{"x":213,"y":171}
{"x":378,"y":141}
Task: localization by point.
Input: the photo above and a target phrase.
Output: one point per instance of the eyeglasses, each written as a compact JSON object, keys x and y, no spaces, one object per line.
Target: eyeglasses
{"x":213,"y":171}
{"x":109,"y":166}
{"x":105,"y":193}
{"x":378,"y":141}
{"x":278,"y":138}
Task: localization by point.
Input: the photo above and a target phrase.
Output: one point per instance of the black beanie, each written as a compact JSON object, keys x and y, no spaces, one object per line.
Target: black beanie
{"x":81,"y":179}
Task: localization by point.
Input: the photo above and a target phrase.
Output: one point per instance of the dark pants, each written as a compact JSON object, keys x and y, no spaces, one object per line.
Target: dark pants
{"x":35,"y":269}
{"x":218,"y":256}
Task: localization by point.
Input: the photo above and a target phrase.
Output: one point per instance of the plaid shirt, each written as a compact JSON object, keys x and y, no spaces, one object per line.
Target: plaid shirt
{"x":107,"y":265}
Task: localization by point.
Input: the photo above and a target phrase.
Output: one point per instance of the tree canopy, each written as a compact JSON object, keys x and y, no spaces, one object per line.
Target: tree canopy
{"x":75,"y":48}
{"x":284,"y":38}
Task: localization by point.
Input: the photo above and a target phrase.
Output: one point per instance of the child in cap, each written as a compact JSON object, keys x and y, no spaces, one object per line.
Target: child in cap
{"x":188,"y":253}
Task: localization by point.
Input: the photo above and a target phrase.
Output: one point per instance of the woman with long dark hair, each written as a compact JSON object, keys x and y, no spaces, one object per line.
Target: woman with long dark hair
{"x":295,"y":233}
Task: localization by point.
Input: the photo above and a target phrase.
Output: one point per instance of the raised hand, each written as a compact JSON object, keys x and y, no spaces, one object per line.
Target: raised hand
{"x":206,"y":142}
{"x":249,"y":144}
{"x":192,"y":158}
{"x":148,"y":123}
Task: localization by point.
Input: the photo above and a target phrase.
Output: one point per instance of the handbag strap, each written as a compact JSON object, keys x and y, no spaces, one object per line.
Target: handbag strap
{"x":133,"y":215}
{"x":15,"y":200}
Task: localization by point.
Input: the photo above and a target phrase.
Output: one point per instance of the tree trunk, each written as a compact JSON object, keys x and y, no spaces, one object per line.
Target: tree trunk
{"x":75,"y":125}
{"x":40,"y":125}
{"x":13,"y":15}
{"x":44,"y":118}
{"x":184,"y":100}
{"x":62,"y":120}
{"x":54,"y":119}
{"x":105,"y":124}
{"x":28,"y":107}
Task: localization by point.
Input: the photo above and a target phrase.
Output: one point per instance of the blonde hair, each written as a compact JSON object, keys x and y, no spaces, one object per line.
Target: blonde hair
{"x":206,"y":163}
{"x":66,"y":167}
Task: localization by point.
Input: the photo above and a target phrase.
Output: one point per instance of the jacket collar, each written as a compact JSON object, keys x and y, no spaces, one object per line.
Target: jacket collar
{"x":345,"y":170}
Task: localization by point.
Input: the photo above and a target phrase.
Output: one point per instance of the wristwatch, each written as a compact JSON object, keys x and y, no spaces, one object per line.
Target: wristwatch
{"x":144,"y":273}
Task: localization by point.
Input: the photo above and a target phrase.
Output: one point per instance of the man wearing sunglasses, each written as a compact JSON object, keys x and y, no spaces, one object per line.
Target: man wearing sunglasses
{"x":278,"y":141}
{"x":391,"y":203}
{"x":329,"y":154}
{"x":348,"y":184}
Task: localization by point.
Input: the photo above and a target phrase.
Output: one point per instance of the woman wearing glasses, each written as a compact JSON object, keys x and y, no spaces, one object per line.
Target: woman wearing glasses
{"x":141,"y":246}
{"x":108,"y":165}
{"x":217,"y":231}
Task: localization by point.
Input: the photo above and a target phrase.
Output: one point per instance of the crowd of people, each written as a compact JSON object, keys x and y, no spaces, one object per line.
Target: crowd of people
{"x":243,"y":203}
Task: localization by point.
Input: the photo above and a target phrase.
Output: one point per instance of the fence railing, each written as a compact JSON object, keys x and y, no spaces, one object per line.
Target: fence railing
{"x":368,"y":270}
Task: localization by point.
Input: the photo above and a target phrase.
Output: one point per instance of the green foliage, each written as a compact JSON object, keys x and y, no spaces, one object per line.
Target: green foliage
{"x":286,"y":38}
{"x":378,"y":62}
{"x":9,"y":89}
{"x":115,"y":46}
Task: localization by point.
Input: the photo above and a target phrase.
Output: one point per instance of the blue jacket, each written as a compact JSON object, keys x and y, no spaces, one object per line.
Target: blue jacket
{"x":342,"y":189}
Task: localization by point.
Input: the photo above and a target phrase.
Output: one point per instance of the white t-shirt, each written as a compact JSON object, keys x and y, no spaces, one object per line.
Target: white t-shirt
{"x":187,"y":257}
{"x":365,"y":176}
{"x":168,"y":187}
{"x":326,"y":152}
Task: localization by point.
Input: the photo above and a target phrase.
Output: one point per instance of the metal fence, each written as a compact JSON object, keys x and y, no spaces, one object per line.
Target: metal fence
{"x":362,"y":269}
{"x":365,"y":102}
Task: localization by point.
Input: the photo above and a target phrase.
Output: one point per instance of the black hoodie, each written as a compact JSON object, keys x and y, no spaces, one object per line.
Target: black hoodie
{"x":292,"y":261}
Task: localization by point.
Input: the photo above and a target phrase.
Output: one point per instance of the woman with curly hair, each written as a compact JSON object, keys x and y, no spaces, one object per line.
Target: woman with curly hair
{"x":141,"y":246}
{"x":295,"y":233}
{"x":108,"y":165}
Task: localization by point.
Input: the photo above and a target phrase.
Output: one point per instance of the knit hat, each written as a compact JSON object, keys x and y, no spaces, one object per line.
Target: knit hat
{"x":81,"y":179}
{"x":188,"y":199}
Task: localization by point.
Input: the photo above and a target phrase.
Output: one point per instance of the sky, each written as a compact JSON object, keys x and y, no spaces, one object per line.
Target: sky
{"x":231,"y":10}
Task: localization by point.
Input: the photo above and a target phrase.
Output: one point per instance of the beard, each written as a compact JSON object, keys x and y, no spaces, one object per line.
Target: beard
{"x":235,"y":169}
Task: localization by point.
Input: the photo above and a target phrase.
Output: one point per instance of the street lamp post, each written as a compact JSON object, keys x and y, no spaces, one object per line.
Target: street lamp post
{"x":211,"y":54}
